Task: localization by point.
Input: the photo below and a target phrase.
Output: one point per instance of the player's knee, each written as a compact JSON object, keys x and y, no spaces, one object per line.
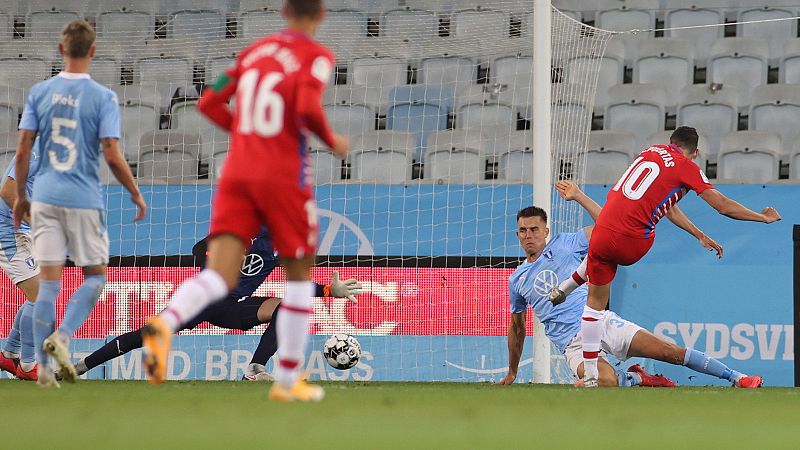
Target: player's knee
{"x":608,"y":380}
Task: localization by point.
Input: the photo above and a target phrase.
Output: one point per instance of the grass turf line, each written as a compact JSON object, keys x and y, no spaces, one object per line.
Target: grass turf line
{"x":129,"y":414}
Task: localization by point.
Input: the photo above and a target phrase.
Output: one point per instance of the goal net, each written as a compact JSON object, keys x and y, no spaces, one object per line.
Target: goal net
{"x":436,"y":98}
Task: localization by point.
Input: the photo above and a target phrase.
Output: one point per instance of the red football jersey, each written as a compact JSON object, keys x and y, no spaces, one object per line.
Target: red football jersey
{"x":278,"y":83}
{"x":658,"y":178}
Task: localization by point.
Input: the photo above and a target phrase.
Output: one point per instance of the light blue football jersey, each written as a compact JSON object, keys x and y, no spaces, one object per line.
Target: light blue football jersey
{"x":6,"y":210}
{"x":531,"y":283}
{"x":71,"y":113}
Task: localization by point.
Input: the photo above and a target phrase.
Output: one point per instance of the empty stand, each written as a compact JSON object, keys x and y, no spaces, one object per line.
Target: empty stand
{"x":714,"y":113}
{"x":169,"y":156}
{"x":749,"y":157}
{"x":383,"y":157}
{"x":455,"y":157}
{"x":668,"y":63}
{"x":637,"y":108}
{"x":741,"y":62}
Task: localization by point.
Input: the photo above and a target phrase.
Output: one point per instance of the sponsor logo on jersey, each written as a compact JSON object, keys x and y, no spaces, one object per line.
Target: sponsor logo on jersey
{"x":545,"y":281}
{"x":252,"y":265}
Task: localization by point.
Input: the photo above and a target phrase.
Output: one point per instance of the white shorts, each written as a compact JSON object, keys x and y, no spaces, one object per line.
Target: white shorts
{"x":617,"y":337}
{"x":79,"y":233}
{"x":16,"y":256}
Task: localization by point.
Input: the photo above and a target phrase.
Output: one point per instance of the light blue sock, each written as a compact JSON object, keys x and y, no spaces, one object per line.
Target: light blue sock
{"x":628,"y":379}
{"x":13,"y":342}
{"x":700,"y":362}
{"x":44,"y":317}
{"x":81,"y":304}
{"x":28,"y":352}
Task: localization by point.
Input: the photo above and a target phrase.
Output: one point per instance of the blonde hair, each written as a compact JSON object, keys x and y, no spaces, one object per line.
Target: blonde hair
{"x":77,"y":38}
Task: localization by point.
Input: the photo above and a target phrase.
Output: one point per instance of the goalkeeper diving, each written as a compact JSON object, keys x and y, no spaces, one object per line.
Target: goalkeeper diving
{"x":532,"y":282}
{"x":241,"y":310}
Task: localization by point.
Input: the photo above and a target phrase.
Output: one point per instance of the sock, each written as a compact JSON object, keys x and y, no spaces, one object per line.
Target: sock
{"x":81,"y":304}
{"x":577,"y":279}
{"x":117,"y":347}
{"x":44,"y":318}
{"x":13,"y":342}
{"x":268,"y":344}
{"x":292,"y":330}
{"x":591,"y":331}
{"x":700,"y":362}
{"x":192,"y":297}
{"x":628,"y":379}
{"x":28,"y":351}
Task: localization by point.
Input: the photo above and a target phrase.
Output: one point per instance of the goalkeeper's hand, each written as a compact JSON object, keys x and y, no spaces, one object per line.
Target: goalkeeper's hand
{"x":345,"y":289}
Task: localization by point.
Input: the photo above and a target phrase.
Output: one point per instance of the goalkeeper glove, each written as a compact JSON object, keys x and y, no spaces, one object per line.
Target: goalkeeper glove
{"x":345,"y":289}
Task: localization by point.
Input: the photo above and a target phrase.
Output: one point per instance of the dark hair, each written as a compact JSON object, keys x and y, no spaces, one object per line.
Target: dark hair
{"x":304,"y":8}
{"x":685,"y":138}
{"x":532,"y":211}
{"x":77,"y":37}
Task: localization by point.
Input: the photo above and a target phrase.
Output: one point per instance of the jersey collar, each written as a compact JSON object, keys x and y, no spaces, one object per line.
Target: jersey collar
{"x":74,"y":76}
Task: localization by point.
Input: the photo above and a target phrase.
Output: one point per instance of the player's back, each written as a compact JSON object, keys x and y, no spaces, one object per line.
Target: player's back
{"x":71,"y":112}
{"x":658,"y":178}
{"x":268,"y":135}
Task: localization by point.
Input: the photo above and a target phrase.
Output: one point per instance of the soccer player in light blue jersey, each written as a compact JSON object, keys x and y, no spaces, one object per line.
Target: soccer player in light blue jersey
{"x":74,"y":118}
{"x":547,"y":263}
{"x":18,"y":263}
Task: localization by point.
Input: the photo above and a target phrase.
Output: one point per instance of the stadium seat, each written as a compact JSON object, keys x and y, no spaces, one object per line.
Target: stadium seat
{"x":453,"y":71}
{"x":431,"y":94}
{"x":106,"y":71}
{"x":776,"y":107}
{"x":23,"y":72}
{"x":790,"y":62}
{"x":419,"y":118}
{"x":6,"y":27}
{"x":570,"y":114}
{"x":342,"y":27}
{"x":185,"y":116}
{"x":355,"y":95}
{"x":478,"y":94}
{"x":489,"y":119}
{"x":611,"y":72}
{"x":72,"y":6}
{"x":608,"y":154}
{"x":455,"y":157}
{"x":169,"y":156}
{"x":327,"y":167}
{"x":222,"y":56}
{"x":617,"y":16}
{"x":512,"y":79}
{"x":383,"y":157}
{"x":776,"y":33}
{"x":260,"y":5}
{"x":489,"y":25}
{"x":662,"y":138}
{"x":216,"y":164}
{"x":32,"y":49}
{"x":638,"y":108}
{"x":197,"y":26}
{"x":350,"y":120}
{"x":714,"y":113}
{"x":170,"y":7}
{"x":514,"y":155}
{"x":130,"y":25}
{"x":666,"y":62}
{"x":257,"y":24}
{"x":11,"y":102}
{"x":46,"y":25}
{"x":139,"y":106}
{"x":410,"y":24}
{"x":794,"y":160}
{"x":741,"y":62}
{"x":687,"y":13}
{"x":384,"y":72}
{"x":151,"y":7}
{"x":749,"y":157}
{"x":167,"y":69}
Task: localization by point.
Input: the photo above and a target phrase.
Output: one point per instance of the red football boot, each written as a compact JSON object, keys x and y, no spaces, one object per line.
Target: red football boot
{"x":32,"y":375}
{"x":8,"y":364}
{"x":649,"y":380}
{"x":751,"y":382}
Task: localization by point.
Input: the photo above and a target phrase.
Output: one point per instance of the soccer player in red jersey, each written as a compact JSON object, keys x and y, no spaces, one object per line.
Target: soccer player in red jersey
{"x":625,"y":229}
{"x":278,"y":84}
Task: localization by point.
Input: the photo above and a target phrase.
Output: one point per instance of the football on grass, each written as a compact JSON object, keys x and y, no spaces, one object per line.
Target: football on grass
{"x":342,"y":351}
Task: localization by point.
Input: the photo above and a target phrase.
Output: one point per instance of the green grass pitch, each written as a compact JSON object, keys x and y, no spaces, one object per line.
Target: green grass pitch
{"x":229,"y":415}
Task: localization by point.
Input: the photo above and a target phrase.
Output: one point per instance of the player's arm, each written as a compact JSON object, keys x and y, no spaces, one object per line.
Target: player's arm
{"x":214,"y":101}
{"x":119,"y":167}
{"x":310,"y":114}
{"x":22,"y":161}
{"x":733,"y":209}
{"x":570,"y":191}
{"x":677,"y":216}
{"x":516,"y":340}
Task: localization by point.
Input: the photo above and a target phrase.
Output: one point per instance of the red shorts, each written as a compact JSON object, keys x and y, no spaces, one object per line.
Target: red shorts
{"x":242,"y":207}
{"x":607,"y":249}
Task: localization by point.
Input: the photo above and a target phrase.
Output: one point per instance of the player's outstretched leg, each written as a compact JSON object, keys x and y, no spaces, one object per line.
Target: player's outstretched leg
{"x":292,"y":330}
{"x":559,"y":294}
{"x":700,"y":362}
{"x":10,"y":355}
{"x":117,"y":347}
{"x":267,"y":346}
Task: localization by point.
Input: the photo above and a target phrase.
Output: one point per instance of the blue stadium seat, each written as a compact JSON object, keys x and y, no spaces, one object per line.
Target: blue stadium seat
{"x":419,"y":118}
{"x":714,"y":113}
{"x":749,"y":157}
{"x":432,"y":94}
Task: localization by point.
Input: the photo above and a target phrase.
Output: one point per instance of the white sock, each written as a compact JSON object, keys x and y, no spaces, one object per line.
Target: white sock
{"x":292,"y":330}
{"x":577,"y":279}
{"x":591,"y":331}
{"x":192,"y":297}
